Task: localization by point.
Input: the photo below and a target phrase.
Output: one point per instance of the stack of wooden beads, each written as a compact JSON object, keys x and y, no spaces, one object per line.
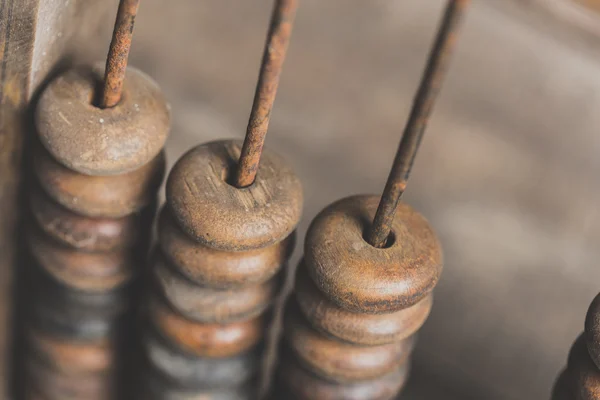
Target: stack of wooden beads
{"x":349,"y":328}
{"x":98,"y":172}
{"x":581,"y":379}
{"x":217,"y":271}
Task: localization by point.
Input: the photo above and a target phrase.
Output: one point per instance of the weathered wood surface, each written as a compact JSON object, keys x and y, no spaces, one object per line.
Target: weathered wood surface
{"x":35,"y":35}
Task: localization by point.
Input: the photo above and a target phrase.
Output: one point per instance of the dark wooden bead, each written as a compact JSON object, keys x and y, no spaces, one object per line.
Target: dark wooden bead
{"x":194,"y":372}
{"x":54,"y":385}
{"x":224,"y":217}
{"x":72,"y":356}
{"x":362,"y":278}
{"x":213,"y":306}
{"x":585,"y":374}
{"x":220,"y":269}
{"x":205,"y":340}
{"x":340,"y":361}
{"x":83,"y":233}
{"x":81,"y":270}
{"x":96,"y":141}
{"x":99,"y":196}
{"x":358,"y":328}
{"x":303,"y":385}
{"x":592,"y":330}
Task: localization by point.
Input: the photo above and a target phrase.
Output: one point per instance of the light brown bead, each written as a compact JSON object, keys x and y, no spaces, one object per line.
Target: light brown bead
{"x":81,"y":270}
{"x":585,"y":374}
{"x":83,"y":233}
{"x":363,"y":278}
{"x":220,"y":269}
{"x":340,"y":361}
{"x":358,"y":328}
{"x":224,"y":217}
{"x":592,"y":330}
{"x":206,"y":340}
{"x":303,"y":385}
{"x":71,"y":356}
{"x":99,"y":196}
{"x":95,"y":141}
{"x":207,"y":305}
{"x":195,"y":372}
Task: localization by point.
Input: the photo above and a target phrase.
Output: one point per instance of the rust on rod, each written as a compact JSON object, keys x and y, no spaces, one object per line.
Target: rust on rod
{"x":118,"y":54}
{"x":429,"y":88}
{"x":278,"y":39}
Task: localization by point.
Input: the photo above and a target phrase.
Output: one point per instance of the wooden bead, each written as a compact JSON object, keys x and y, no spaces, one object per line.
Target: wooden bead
{"x":220,"y":269}
{"x":340,"y":361}
{"x":207,"y":305}
{"x":592,"y":330}
{"x":99,"y":196}
{"x":81,"y":270}
{"x":362,"y":278}
{"x":96,"y":141}
{"x":303,"y":385}
{"x":200,"y":372}
{"x":585,"y":374}
{"x":70,"y":356}
{"x":206,"y":340}
{"x":357,"y":328}
{"x":82,"y":233}
{"x":224,"y":217}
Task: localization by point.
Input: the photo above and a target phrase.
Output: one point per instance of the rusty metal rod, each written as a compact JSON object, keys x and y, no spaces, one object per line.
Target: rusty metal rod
{"x":278,"y":39}
{"x":429,"y":88}
{"x":116,"y":62}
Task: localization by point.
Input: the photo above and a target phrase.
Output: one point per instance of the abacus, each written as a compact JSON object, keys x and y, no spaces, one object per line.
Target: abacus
{"x":363,"y":289}
{"x":98,"y":166}
{"x":224,"y":235}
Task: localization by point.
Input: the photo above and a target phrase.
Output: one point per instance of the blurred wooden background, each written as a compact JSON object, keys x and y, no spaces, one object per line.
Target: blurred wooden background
{"x":508,"y":172}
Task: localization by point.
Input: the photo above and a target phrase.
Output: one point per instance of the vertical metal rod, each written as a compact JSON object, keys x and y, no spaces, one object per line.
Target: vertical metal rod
{"x":118,"y":54}
{"x":429,"y":88}
{"x":278,"y":39}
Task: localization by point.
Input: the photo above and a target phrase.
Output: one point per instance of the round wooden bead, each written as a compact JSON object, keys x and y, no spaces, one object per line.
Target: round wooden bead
{"x":224,"y":217}
{"x":585,"y":374}
{"x":340,"y":361}
{"x":81,"y":270}
{"x":357,"y":328}
{"x":200,"y":372}
{"x":592,"y":330}
{"x":306,"y":386}
{"x":207,"y":305}
{"x":82,"y":233}
{"x":220,"y":269}
{"x":96,"y":141}
{"x":55,"y":385}
{"x":363,"y":278}
{"x":99,"y":196}
{"x":70,"y":356}
{"x":206,"y":340}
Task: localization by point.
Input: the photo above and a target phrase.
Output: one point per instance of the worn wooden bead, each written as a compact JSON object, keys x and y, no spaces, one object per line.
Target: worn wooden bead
{"x":358,"y":328}
{"x":363,"y":278}
{"x":99,"y":196}
{"x":71,"y":356}
{"x":224,"y":217}
{"x":96,"y":141}
{"x":585,"y":374}
{"x":220,"y":269}
{"x":200,"y":372}
{"x":81,"y":270}
{"x":336,"y":360}
{"x":207,"y":305}
{"x":303,"y":385}
{"x":592,"y":330}
{"x":205,"y":340}
{"x":79,"y":232}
